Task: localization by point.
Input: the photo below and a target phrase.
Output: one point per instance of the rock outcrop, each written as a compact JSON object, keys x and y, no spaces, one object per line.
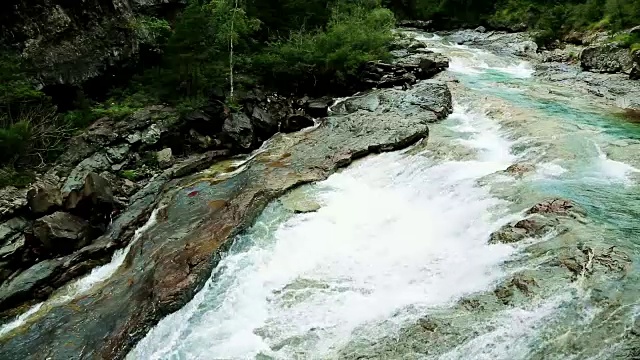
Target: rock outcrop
{"x":404,"y":73}
{"x":606,"y":58}
{"x":71,"y":42}
{"x":541,"y":219}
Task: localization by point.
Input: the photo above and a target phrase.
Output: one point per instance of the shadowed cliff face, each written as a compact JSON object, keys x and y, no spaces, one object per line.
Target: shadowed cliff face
{"x":69,"y":42}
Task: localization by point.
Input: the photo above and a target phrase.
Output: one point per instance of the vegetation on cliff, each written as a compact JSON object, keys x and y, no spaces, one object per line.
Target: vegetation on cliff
{"x":292,"y":45}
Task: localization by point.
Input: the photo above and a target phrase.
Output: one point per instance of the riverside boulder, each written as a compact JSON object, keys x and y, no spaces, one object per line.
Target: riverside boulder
{"x":606,"y":58}
{"x":61,"y":232}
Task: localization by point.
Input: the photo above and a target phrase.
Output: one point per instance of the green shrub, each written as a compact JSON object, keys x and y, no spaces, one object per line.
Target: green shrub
{"x":627,"y":40}
{"x":33,"y":138}
{"x":353,"y":36}
{"x":150,"y":30}
{"x":130,"y":175}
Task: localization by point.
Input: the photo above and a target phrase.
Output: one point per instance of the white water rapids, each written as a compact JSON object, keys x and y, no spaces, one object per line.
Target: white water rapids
{"x":394,"y":230}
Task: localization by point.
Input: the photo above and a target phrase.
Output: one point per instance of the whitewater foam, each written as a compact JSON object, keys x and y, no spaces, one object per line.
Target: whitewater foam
{"x":394,"y":231}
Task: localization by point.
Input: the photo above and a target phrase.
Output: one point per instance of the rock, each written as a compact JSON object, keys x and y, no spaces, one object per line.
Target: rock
{"x":519,"y":169}
{"x":95,"y":196}
{"x":432,"y":64}
{"x":369,"y":102}
{"x":238,"y":129}
{"x":24,"y":286}
{"x":480,"y":29}
{"x":44,"y":200}
{"x":541,"y":219}
{"x":164,"y":157}
{"x":118,"y":153}
{"x":318,"y":108}
{"x":295,"y":123}
{"x":39,"y":281}
{"x":263,"y":121}
{"x":197,"y":162}
{"x":299,"y":201}
{"x":69,"y":44}
{"x":61,"y":233}
{"x":12,"y":200}
{"x":532,"y":227}
{"x":12,"y":240}
{"x":417,"y":24}
{"x":96,"y":163}
{"x":606,"y":58}
{"x":404,"y":80}
{"x":634,"y":74}
{"x":525,"y":48}
{"x":555,"y":206}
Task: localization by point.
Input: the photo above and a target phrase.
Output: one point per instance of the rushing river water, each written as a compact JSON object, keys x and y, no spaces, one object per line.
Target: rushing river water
{"x":396,"y":263}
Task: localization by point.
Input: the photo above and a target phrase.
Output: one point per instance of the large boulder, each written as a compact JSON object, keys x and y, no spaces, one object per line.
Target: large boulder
{"x":263,"y":121}
{"x":318,"y":108}
{"x":164,"y":157}
{"x":61,"y":233}
{"x":432,"y":64}
{"x":43,"y":200}
{"x":95,"y":195}
{"x":606,"y":58}
{"x":238,"y":130}
{"x":295,"y":123}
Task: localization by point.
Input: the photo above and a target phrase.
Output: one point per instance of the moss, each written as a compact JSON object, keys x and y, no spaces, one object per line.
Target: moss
{"x":627,"y":40}
{"x":130,"y":175}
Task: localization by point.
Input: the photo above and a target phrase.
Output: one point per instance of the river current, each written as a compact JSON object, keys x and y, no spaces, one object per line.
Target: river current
{"x":396,"y":263}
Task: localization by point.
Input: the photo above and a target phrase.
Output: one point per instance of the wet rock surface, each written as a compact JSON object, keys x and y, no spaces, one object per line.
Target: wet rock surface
{"x":542,"y":218}
{"x":201,"y":213}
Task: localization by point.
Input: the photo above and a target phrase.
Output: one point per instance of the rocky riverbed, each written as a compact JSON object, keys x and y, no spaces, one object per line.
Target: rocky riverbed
{"x":61,"y":219}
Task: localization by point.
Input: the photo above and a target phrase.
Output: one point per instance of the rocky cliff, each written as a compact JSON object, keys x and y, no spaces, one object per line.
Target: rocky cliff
{"x":69,"y":42}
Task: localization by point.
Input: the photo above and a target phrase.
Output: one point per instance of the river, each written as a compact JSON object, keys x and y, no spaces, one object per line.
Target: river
{"x":396,"y":262}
